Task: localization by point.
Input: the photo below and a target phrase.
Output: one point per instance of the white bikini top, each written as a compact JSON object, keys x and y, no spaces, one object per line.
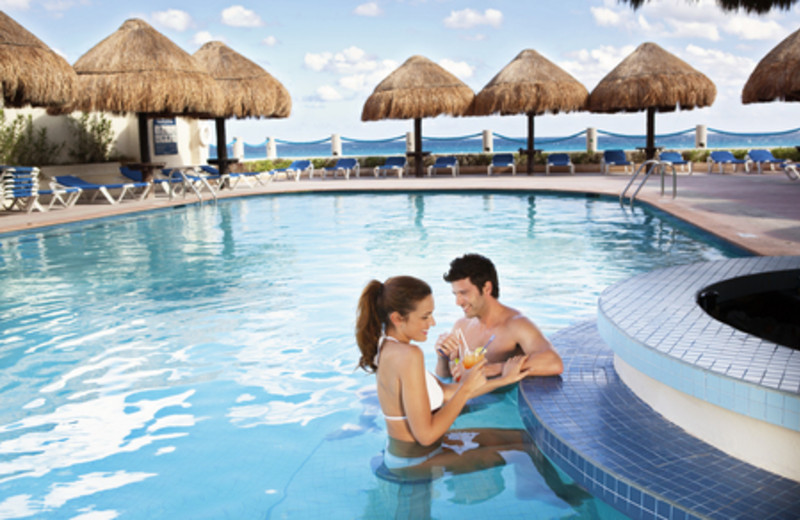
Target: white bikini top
{"x":435,"y":394}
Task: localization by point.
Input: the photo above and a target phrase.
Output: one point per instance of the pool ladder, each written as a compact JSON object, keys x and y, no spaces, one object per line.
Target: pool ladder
{"x":650,"y":165}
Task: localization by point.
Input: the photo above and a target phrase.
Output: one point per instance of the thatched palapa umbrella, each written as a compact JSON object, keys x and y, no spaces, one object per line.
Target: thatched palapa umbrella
{"x":777,"y":75}
{"x":750,"y":6}
{"x":533,"y":85}
{"x":652,"y":79}
{"x":418,"y":88}
{"x":30,"y":72}
{"x":248,"y":90}
{"x":137,"y":69}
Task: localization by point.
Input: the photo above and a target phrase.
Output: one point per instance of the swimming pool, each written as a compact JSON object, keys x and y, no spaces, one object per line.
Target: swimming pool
{"x":200,"y":362}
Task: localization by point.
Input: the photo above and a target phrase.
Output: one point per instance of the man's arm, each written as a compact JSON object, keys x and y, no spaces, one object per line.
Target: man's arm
{"x":541,"y":359}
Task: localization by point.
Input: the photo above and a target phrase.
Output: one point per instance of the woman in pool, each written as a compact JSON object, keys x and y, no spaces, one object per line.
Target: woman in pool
{"x":418,"y":408}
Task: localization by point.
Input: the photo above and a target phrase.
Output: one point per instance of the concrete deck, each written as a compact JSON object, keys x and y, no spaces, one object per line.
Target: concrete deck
{"x":760,"y":213}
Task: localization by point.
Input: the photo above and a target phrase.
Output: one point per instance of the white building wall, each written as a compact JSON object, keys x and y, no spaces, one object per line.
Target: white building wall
{"x":126,"y":131}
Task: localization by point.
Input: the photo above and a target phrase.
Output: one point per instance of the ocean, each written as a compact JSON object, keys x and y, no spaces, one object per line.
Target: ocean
{"x":473,"y":144}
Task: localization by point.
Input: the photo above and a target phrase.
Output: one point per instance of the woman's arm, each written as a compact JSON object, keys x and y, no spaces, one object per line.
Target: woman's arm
{"x":426,"y":426}
{"x":512,"y":371}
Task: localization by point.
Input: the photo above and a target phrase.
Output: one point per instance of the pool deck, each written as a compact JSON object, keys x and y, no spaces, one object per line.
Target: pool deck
{"x":760,"y":213}
{"x":588,"y":421}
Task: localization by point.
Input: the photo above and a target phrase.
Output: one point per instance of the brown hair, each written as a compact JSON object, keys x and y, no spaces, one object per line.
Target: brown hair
{"x":379,"y":300}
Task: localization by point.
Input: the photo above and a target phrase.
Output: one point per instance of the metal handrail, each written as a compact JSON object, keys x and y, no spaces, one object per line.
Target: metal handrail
{"x":653,"y":164}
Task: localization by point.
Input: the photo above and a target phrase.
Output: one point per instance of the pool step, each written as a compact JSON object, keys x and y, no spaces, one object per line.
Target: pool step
{"x":614,"y":445}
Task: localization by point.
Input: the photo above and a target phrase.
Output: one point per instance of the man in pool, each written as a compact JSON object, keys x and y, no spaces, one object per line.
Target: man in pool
{"x":501,"y":331}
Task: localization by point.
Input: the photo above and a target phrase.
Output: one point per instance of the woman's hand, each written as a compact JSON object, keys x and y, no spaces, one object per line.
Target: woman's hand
{"x":475,"y":378}
{"x":513,"y":371}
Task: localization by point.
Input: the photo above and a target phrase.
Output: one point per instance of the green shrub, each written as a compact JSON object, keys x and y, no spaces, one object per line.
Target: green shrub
{"x":23,"y":145}
{"x":786,"y":153}
{"x":93,"y":137}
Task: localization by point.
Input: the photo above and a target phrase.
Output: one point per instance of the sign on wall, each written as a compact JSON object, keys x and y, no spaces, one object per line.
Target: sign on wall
{"x":165,"y":136}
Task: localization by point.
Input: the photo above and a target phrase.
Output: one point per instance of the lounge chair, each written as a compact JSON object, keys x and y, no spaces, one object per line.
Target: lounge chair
{"x":614,"y":158}
{"x":723,"y":157}
{"x":196,"y":178}
{"x":445,"y":162}
{"x":761,"y":157}
{"x":559,"y":159}
{"x":392,"y":165}
{"x":61,"y":195}
{"x":345,"y":165}
{"x":70,"y":181}
{"x":295,"y":169}
{"x":676,"y":159}
{"x":19,"y":187}
{"x":792,"y":170}
{"x":502,"y":160}
{"x":136,"y":176}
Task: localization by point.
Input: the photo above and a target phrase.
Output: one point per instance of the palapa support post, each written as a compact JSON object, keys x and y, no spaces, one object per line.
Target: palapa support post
{"x":531,"y":151}
{"x":650,"y":147}
{"x":418,"y":146}
{"x":144,"y":146}
{"x":222,"y":147}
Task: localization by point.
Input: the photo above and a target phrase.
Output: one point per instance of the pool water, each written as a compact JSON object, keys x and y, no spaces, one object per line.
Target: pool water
{"x":199,"y":362}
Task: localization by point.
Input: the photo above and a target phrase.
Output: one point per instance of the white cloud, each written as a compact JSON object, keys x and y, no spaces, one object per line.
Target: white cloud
{"x":589,"y":66}
{"x":606,"y":17}
{"x":348,"y":61}
{"x":239,"y":16}
{"x":750,"y":28}
{"x":15,"y":4}
{"x":173,"y":19}
{"x":270,"y":41}
{"x":58,"y":6}
{"x":317,"y":62}
{"x":328,"y":93}
{"x":358,"y":71}
{"x":460,"y":69}
{"x":726,"y":70}
{"x":469,"y":18}
{"x":202,"y":37}
{"x":368,"y":9}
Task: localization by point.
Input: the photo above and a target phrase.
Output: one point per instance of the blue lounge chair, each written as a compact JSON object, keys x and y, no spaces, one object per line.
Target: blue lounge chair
{"x":62,"y":196}
{"x":345,"y":165}
{"x":19,"y":187}
{"x":676,"y":159}
{"x":445,"y":162}
{"x":392,"y":165}
{"x":559,"y":159}
{"x":166,"y":183}
{"x":723,"y":157}
{"x":614,"y":158}
{"x":502,"y":160}
{"x":792,"y":170}
{"x":129,"y":188}
{"x":295,"y":169}
{"x":761,"y":157}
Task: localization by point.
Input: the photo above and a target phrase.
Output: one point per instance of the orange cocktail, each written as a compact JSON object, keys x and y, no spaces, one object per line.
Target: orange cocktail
{"x":471,"y":357}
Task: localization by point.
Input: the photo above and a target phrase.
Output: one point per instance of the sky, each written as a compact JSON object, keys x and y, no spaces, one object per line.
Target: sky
{"x":330,"y":54}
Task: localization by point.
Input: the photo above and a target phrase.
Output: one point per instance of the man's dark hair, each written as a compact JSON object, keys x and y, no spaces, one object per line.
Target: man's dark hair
{"x":477,"y":268}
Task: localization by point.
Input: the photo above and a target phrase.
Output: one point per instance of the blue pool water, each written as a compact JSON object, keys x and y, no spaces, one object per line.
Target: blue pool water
{"x":200,"y":363}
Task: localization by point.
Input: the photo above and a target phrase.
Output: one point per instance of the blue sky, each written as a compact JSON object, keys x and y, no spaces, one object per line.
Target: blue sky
{"x":331,"y":54}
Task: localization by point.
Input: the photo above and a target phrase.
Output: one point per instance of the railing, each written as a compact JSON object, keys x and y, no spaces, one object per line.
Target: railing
{"x":692,"y":138}
{"x":652,"y":164}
